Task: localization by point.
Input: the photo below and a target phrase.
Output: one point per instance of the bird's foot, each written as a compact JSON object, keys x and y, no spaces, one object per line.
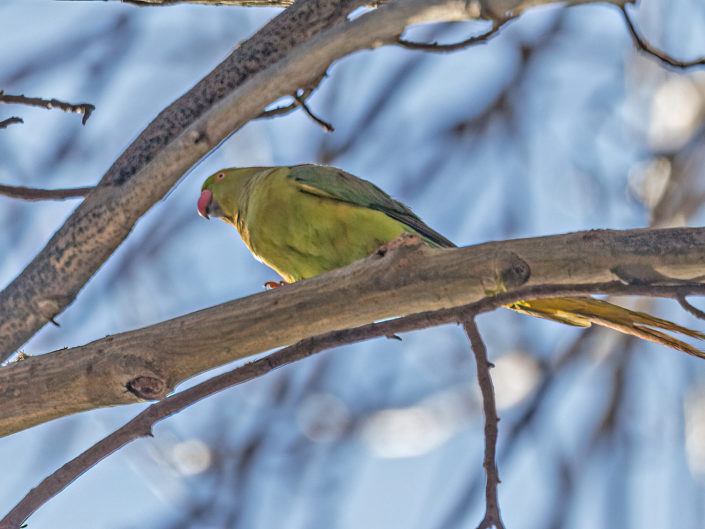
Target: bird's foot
{"x":269,"y":285}
{"x":405,"y":239}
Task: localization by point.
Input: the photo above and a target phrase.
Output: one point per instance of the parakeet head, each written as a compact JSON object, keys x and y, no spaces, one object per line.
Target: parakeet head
{"x":221,"y":192}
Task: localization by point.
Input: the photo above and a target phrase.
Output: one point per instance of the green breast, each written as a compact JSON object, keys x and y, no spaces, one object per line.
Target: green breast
{"x":301,"y":235}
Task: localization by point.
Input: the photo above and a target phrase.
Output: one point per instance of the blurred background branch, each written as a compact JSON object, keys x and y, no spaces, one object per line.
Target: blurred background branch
{"x":81,"y":108}
{"x":32,"y":193}
{"x":651,"y":50}
{"x":9,"y":121}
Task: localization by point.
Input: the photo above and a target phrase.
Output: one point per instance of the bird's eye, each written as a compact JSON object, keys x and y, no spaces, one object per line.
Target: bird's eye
{"x":219,"y":176}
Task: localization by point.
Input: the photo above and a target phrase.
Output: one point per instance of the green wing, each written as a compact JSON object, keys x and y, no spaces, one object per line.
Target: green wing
{"x":332,"y":183}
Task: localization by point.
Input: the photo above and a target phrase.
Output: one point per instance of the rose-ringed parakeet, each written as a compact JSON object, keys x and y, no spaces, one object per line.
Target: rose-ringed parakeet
{"x":308,"y":219}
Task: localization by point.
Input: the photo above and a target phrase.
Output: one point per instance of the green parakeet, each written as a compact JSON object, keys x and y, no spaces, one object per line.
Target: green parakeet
{"x":308,"y":219}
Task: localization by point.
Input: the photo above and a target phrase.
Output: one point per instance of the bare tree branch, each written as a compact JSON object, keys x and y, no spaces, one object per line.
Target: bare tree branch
{"x":690,"y":308}
{"x":142,"y":424}
{"x":443,"y":48}
{"x":302,"y":103}
{"x":280,"y":111}
{"x":81,"y":108}
{"x":9,"y":121}
{"x":32,"y":193}
{"x":492,"y":516}
{"x":649,"y":49}
{"x":281,"y":58}
{"x":149,"y":362}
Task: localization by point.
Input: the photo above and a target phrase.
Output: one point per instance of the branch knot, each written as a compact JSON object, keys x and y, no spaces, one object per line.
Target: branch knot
{"x":513,"y":270}
{"x":147,"y":387}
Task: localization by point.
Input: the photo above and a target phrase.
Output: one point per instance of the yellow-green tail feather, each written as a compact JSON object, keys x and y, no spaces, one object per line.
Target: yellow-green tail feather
{"x":583,"y":311}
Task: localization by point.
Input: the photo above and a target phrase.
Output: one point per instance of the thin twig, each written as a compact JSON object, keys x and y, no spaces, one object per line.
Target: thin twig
{"x":302,"y":103}
{"x":32,"y":193}
{"x":81,"y":108}
{"x":280,"y":111}
{"x":443,"y":48}
{"x":690,"y":308}
{"x":649,"y":49}
{"x":9,"y":121}
{"x":492,"y":516}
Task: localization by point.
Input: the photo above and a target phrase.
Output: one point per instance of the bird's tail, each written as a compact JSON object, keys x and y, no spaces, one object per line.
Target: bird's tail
{"x":583,"y":311}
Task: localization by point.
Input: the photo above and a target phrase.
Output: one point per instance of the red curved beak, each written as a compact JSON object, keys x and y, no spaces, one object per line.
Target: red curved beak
{"x":203,"y":202}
